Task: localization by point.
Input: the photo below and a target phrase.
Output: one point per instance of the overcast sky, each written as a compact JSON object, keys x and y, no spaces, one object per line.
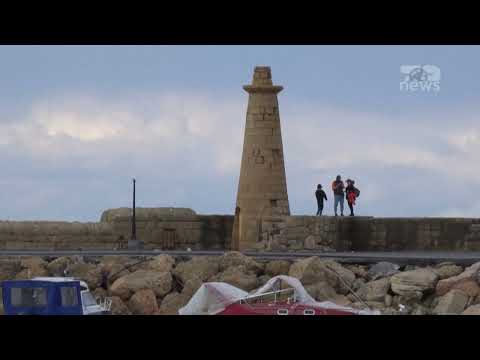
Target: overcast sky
{"x":78,"y":122}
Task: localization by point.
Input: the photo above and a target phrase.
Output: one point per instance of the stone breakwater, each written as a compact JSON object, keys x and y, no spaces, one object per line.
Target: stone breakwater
{"x":162,"y":284}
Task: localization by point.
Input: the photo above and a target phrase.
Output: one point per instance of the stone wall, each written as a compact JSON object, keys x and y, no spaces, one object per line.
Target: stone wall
{"x":161,"y":228}
{"x":180,"y":229}
{"x":370,"y":234}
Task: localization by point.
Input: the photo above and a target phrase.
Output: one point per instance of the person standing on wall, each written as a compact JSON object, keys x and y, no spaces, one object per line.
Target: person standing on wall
{"x":351,"y":193}
{"x":320,"y":195}
{"x":338,"y":187}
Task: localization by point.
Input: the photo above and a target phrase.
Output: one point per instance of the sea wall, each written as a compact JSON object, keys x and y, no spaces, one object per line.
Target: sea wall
{"x":370,"y":234}
{"x":181,"y":229}
{"x":161,"y":228}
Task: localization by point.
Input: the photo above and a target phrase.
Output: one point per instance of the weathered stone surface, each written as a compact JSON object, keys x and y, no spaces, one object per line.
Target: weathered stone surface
{"x":321,"y":291}
{"x":310,"y":242}
{"x":357,"y":284}
{"x":312,"y":270}
{"x":110,"y":214}
{"x":89,"y":273}
{"x":447,"y":271}
{"x":119,"y":307}
{"x":198,"y":267}
{"x":374,"y":290}
{"x":238,"y":276}
{"x":453,"y":302}
{"x":359,"y":271}
{"x":341,"y":300}
{"x":414,"y":283}
{"x":172,"y":303}
{"x":116,"y":271}
{"x":277,"y":267}
{"x":36,"y":265}
{"x":235,"y":258}
{"x":191,"y":287}
{"x":9,"y":269}
{"x":143,"y":302}
{"x":160,"y":283}
{"x":472,"y":310}
{"x":58,"y":266}
{"x":382,"y":269}
{"x":160,"y":263}
{"x":466,"y":281}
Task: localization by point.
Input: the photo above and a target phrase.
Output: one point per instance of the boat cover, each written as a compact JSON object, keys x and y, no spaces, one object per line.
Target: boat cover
{"x":212,"y":298}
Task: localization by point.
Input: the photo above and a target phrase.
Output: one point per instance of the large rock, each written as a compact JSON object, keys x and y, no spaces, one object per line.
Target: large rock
{"x":161,"y":263}
{"x":467,"y":281}
{"x":382,"y":269}
{"x":143,"y":302}
{"x":238,"y":276}
{"x":472,"y":310}
{"x":374,"y":290}
{"x":447,"y":270}
{"x":313,"y":270}
{"x":90,"y":273}
{"x":277,"y":267}
{"x":414,"y":283}
{"x":198,"y":267}
{"x":9,"y":269}
{"x":160,"y":283}
{"x":33,"y":267}
{"x":172,"y":303}
{"x":359,"y":271}
{"x":451,"y":303}
{"x":58,"y":266}
{"x":119,"y":307}
{"x":341,"y":300}
{"x":191,"y":287}
{"x":235,"y":258}
{"x":321,"y":291}
{"x":115,"y":271}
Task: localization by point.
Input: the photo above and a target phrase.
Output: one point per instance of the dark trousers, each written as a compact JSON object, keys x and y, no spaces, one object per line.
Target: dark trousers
{"x":320,"y":207}
{"x":350,"y":205}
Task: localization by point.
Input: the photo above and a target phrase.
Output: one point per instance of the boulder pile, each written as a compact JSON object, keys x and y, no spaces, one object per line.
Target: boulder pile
{"x":162,"y":284}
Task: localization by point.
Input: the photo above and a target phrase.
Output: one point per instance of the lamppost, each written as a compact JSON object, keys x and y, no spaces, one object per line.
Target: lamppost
{"x":133,"y":243}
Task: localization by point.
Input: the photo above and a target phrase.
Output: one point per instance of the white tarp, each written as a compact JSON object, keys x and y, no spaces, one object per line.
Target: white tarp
{"x":212,"y":298}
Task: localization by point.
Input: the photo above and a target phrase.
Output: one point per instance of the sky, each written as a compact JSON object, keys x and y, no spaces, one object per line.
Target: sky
{"x":77,"y":123}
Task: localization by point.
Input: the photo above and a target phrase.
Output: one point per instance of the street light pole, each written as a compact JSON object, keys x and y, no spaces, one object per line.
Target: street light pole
{"x":134,"y":227}
{"x":133,"y":243}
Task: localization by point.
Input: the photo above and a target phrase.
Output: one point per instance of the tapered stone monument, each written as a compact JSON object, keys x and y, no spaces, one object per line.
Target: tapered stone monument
{"x":262,"y":189}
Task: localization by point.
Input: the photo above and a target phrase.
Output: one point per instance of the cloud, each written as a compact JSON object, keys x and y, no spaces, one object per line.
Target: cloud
{"x":185,"y":149}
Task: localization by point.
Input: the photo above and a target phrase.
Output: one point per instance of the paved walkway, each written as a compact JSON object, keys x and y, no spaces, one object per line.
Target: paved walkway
{"x":362,"y":257}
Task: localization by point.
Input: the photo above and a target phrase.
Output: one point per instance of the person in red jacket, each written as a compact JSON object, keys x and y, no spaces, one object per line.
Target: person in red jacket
{"x":351,"y":193}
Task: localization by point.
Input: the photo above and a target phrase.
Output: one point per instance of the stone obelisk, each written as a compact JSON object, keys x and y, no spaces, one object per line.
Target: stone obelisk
{"x":262,"y":188}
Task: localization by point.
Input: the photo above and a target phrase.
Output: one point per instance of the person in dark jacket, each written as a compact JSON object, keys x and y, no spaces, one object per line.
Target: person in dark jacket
{"x":338,"y":194}
{"x":320,"y":195}
{"x":351,"y":193}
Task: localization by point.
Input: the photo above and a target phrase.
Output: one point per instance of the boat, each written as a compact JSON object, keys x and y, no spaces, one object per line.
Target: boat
{"x":51,"y":296}
{"x":217,"y":298}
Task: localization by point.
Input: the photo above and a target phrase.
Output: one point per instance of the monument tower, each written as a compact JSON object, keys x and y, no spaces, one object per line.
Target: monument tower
{"x":262,"y":188}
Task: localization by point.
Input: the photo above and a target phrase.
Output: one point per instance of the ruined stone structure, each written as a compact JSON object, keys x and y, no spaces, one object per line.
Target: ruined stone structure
{"x":262,"y":189}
